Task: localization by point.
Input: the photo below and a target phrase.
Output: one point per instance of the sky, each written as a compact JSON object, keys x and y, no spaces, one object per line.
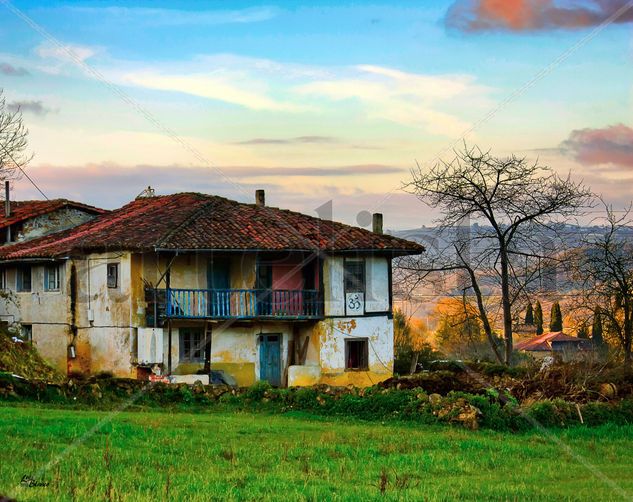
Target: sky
{"x":314,"y":101}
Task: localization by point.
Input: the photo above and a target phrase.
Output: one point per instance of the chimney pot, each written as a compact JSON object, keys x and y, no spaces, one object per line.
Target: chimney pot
{"x":376,"y":221}
{"x":260,"y":198}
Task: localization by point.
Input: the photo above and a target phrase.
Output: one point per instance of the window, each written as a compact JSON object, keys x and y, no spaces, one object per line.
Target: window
{"x":23,"y":282}
{"x":51,"y":278}
{"x":354,"y":275}
{"x":113,"y":275}
{"x":357,"y":354}
{"x":26,"y":332}
{"x":191,"y":346}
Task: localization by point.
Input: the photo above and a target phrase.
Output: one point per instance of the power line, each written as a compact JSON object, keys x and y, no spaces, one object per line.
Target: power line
{"x":24,"y":172}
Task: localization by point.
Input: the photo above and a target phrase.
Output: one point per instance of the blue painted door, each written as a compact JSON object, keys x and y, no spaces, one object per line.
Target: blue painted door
{"x":270,"y":359}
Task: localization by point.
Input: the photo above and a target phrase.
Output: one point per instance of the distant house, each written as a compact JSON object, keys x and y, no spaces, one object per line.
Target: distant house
{"x":27,"y":219}
{"x":189,"y":283}
{"x":555,"y":343}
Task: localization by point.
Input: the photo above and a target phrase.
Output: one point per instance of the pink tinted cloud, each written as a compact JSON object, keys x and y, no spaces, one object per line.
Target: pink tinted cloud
{"x":610,"y":145}
{"x":110,"y":185}
{"x":532,"y":15}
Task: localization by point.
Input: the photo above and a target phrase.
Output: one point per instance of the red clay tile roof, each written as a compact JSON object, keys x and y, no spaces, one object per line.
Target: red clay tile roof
{"x":544,"y":342}
{"x":197,"y":221}
{"x":24,"y":209}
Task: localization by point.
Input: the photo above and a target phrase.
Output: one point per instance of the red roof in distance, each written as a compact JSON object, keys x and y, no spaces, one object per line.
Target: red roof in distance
{"x":544,"y":342}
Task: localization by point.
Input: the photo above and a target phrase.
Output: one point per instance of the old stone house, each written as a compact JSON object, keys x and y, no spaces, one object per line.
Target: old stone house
{"x":188,"y":283}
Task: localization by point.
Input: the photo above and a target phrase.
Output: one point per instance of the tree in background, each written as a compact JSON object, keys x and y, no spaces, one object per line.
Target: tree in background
{"x":556,"y":318}
{"x":459,"y":330}
{"x":538,"y":318}
{"x":596,"y":329}
{"x":13,"y":140}
{"x":516,"y":200}
{"x":583,"y":331}
{"x":529,"y":314}
{"x":603,"y":271}
{"x":410,"y":339}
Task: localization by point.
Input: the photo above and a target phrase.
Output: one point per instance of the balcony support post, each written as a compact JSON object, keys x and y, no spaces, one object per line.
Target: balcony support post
{"x":168,"y":286}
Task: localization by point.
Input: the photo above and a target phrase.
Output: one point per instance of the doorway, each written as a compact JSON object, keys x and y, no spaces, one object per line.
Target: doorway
{"x":270,"y":359}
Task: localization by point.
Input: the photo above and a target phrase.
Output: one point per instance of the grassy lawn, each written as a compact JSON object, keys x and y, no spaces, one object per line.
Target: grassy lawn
{"x":86,"y":455}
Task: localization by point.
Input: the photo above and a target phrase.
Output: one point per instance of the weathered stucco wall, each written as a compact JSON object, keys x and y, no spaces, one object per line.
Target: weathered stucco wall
{"x":234,"y":349}
{"x":105,"y":317}
{"x":45,"y":311}
{"x":189,"y":271}
{"x":333,"y":286}
{"x":376,"y":285}
{"x":330,"y":336}
{"x":99,"y":321}
{"x":54,"y":221}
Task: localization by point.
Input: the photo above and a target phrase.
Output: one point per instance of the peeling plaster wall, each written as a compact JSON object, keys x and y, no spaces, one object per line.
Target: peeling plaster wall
{"x":234,"y":349}
{"x":332,"y":335}
{"x":108,"y":342}
{"x":46,"y":311}
{"x":333,"y":286}
{"x":54,"y":221}
{"x":376,"y":285}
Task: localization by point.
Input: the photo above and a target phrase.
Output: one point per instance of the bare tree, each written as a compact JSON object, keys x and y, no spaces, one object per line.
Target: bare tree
{"x":603,"y":269}
{"x":13,"y":141}
{"x":516,"y":200}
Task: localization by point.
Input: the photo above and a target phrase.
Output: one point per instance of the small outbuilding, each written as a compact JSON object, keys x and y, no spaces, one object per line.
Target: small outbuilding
{"x":555,"y":343}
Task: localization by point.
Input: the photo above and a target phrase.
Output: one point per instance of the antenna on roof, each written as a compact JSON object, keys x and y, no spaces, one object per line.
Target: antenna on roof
{"x":148,"y":192}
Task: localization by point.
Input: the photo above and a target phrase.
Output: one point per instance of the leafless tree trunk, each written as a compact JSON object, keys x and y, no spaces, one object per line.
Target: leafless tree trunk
{"x":603,"y":269}
{"x":516,"y":200}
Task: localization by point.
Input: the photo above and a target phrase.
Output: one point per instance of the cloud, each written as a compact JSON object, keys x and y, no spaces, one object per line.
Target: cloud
{"x":173,"y":17}
{"x":533,"y":15}
{"x":12,"y":71}
{"x":218,"y":85}
{"x":262,"y":172}
{"x":300,"y":140}
{"x":609,"y":145}
{"x":405,"y":98}
{"x":66,"y":52}
{"x":111,"y":185}
{"x":255,"y":84}
{"x":375,"y":92}
{"x":29,"y":106}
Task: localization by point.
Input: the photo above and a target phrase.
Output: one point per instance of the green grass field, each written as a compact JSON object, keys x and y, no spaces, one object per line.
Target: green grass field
{"x":86,"y":455}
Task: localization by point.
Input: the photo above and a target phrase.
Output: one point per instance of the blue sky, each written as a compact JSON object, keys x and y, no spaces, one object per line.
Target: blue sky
{"x":313,"y":101}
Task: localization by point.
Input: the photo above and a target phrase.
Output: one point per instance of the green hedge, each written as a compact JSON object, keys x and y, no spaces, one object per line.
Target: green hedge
{"x":492,"y":410}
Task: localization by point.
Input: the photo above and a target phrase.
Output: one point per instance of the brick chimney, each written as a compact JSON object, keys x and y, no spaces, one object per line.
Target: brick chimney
{"x":260,"y":197}
{"x":376,"y":223}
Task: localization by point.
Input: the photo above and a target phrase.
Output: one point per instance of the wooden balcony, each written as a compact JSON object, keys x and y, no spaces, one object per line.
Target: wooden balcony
{"x":282,"y":304}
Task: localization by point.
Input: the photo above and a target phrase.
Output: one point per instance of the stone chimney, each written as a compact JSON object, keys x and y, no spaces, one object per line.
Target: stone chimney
{"x":376,"y":223}
{"x":260,"y":198}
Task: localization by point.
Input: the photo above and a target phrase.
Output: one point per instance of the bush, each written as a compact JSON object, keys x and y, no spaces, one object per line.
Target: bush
{"x":258,"y":390}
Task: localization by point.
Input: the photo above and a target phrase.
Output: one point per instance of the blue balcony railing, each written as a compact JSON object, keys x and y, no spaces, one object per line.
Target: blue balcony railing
{"x":244,"y":303}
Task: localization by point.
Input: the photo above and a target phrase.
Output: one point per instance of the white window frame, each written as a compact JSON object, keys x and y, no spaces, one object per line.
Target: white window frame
{"x":18,"y":272}
{"x":57,"y":278}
